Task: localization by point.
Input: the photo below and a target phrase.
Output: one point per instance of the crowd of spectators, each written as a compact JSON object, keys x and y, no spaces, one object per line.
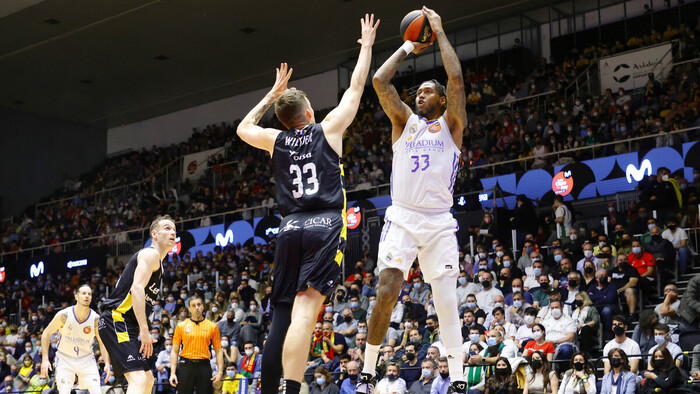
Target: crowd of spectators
{"x":528,"y":131}
{"x":550,"y":299}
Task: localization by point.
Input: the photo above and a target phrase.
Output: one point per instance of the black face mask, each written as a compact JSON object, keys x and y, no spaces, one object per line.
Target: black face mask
{"x":340,"y":297}
{"x":445,"y":375}
{"x":410,"y":356}
{"x":573,"y":283}
{"x":618,"y":330}
{"x":352,"y":376}
{"x":503,"y":278}
{"x":603,"y":280}
{"x":348,"y":319}
{"x":616,"y":362}
{"x":656,"y":238}
{"x":430,"y":328}
{"x":578,"y":366}
{"x":536,"y":364}
{"x":588,"y":270}
{"x":658,"y":364}
{"x":502,"y":371}
{"x":577,"y":304}
{"x":486,"y":284}
{"x":671,"y":226}
{"x":544,"y":286}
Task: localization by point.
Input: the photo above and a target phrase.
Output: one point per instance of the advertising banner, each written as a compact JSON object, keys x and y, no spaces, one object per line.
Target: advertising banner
{"x":194,"y":164}
{"x":591,"y":178}
{"x":54,"y":264}
{"x":629,"y":70}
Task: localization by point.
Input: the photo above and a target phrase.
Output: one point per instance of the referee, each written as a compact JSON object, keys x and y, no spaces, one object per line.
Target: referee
{"x":195,"y":334}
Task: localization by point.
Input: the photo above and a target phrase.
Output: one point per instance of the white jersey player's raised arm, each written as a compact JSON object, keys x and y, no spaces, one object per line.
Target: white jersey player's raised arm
{"x":77,"y":330}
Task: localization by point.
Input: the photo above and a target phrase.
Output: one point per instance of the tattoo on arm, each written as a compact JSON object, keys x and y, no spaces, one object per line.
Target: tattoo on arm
{"x":262,"y":111}
{"x":388,"y":96}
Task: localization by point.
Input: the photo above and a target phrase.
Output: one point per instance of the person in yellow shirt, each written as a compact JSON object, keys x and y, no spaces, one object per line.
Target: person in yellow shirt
{"x":234,"y":383}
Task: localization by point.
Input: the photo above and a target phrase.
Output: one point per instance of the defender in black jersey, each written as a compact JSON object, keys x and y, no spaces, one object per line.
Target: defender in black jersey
{"x":310,"y":194}
{"x":123,"y":325}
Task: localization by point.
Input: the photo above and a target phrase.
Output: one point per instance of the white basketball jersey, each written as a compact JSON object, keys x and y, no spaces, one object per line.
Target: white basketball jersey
{"x":76,"y":337}
{"x":424,"y":166}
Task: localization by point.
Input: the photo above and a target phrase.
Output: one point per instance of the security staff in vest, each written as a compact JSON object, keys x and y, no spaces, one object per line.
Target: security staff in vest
{"x":196,"y":335}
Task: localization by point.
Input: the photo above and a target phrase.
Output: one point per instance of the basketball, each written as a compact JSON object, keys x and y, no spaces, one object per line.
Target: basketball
{"x":415,"y":28}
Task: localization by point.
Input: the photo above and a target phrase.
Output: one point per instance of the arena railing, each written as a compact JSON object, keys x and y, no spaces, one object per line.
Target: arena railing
{"x":592,"y":148}
{"x":509,"y":104}
{"x":117,"y":190}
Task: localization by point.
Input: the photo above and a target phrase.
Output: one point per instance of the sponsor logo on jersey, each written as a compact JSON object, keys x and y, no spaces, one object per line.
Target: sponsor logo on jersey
{"x":389,"y":257}
{"x":87,"y":329}
{"x":413,"y":129}
{"x":101,"y":324}
{"x":448,"y":266}
{"x":435,"y":127}
{"x":318,"y":222}
{"x":130,"y":358}
{"x":302,"y":157}
{"x":424,"y":144}
{"x":291,"y":225}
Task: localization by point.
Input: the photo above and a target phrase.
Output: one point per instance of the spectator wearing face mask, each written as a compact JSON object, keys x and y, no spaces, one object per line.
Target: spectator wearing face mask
{"x":515,"y":314}
{"x":604,"y":298}
{"x":517,"y":287}
{"x":485,"y":298}
{"x":662,"y":250}
{"x":541,"y":294}
{"x":679,"y":239}
{"x":409,"y":369}
{"x":347,"y":327}
{"x":588,"y":256}
{"x":580,"y":378}
{"x":525,"y":331}
{"x":573,"y":246}
{"x":645,"y":264}
{"x":424,"y":384}
{"x":662,"y":337}
{"x":503,"y":380}
{"x":625,"y":279}
{"x":662,"y":375}
{"x":561,"y":330}
{"x":323,"y":382}
{"x":442,"y":380}
{"x":623,"y":342}
{"x":532,"y":274}
{"x":472,"y":305}
{"x":420,"y":293}
{"x":525,"y":260}
{"x":234,"y":382}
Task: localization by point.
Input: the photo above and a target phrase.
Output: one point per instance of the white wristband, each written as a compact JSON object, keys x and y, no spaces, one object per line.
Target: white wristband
{"x":408,"y":47}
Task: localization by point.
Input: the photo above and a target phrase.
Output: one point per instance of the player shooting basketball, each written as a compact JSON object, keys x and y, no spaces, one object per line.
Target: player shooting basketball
{"x":419,"y":223}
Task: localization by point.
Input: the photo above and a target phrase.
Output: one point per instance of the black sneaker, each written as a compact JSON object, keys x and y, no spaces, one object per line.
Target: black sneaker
{"x":457,"y":387}
{"x":366,"y":384}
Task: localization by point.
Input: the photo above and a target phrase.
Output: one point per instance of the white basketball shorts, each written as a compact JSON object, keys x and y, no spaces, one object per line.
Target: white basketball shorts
{"x":431,"y":237}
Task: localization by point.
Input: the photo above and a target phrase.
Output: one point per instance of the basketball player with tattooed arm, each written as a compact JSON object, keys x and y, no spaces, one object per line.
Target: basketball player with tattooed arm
{"x":123,"y":326}
{"x":311,"y":198}
{"x":77,"y":329}
{"x":426,"y":147}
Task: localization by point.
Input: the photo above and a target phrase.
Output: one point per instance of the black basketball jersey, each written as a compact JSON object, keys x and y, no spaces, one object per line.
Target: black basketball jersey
{"x":308,"y":172}
{"x":120,"y":299}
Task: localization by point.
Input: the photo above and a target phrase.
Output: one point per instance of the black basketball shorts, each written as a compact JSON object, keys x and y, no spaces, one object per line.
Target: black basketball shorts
{"x":310,"y":248}
{"x":121,"y":339}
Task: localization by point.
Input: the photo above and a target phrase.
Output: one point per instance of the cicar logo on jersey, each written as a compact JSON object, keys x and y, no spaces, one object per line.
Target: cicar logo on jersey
{"x":87,"y":329}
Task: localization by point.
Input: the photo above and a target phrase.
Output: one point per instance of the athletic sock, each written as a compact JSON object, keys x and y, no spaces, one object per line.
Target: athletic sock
{"x":454,"y":362}
{"x":371,"y":355}
{"x":291,"y":386}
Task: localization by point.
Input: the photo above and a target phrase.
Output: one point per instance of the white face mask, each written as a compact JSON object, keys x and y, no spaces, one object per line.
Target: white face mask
{"x":529,"y":319}
{"x":537,"y":335}
{"x":556,"y":313}
{"x":249,"y":352}
{"x":588,"y":253}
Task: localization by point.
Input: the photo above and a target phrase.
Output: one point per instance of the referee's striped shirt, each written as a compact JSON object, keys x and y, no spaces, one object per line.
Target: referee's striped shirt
{"x":196,"y":338}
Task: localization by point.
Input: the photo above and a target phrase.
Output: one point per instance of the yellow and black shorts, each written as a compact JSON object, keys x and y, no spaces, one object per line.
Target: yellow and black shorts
{"x":121,"y":339}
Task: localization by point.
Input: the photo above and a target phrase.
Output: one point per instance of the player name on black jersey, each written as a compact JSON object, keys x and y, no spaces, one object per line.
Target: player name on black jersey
{"x":308,"y":173}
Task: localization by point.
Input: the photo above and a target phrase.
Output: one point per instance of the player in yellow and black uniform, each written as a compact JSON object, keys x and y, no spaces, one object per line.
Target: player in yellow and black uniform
{"x":123,"y":325}
{"x":306,"y":158}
